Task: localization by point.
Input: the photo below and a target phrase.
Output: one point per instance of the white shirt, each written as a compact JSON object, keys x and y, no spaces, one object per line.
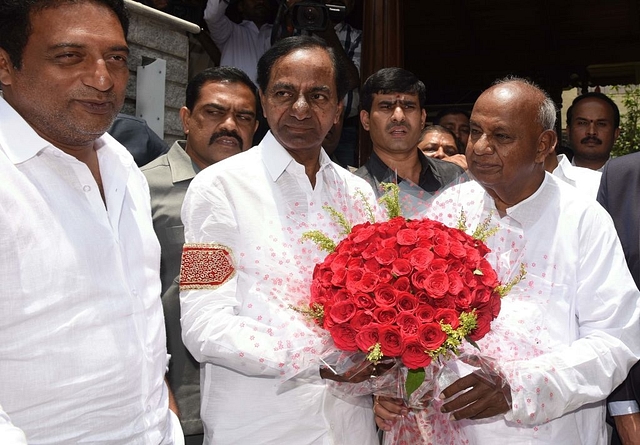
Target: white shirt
{"x":82,"y":341}
{"x":258,"y":204}
{"x":583,"y":179}
{"x":241,"y":45}
{"x":568,"y":333}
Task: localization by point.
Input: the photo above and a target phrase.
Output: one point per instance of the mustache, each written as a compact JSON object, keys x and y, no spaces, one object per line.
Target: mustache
{"x":397,"y":124}
{"x":591,"y":139}
{"x":226,"y":133}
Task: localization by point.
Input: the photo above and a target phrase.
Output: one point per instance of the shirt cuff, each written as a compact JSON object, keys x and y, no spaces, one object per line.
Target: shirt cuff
{"x":623,"y":408}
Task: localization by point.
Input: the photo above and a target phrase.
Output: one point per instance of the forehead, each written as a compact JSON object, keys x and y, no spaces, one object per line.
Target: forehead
{"x":75,"y":23}
{"x":435,"y":137}
{"x":229,"y":93}
{"x":457,"y":118}
{"x":506,"y":106}
{"x":394,"y":97}
{"x":304,"y":68}
{"x":593,"y":108}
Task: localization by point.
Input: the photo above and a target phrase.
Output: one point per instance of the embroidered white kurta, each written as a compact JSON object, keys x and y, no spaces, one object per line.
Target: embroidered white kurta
{"x":258,"y":204}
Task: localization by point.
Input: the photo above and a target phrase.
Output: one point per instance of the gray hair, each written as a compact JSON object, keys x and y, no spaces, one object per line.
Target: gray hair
{"x":547,"y":111}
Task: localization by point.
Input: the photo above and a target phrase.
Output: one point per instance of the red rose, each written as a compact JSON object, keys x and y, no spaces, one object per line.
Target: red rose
{"x":364,"y":301}
{"x":360,"y":320}
{"x":367,"y":337}
{"x":407,"y":237}
{"x":420,"y":258}
{"x":425,"y":313}
{"x":464,"y":300}
{"x":385,"y":276}
{"x":481,"y":295}
{"x":488,"y":276}
{"x":405,"y":251}
{"x":353,"y":280}
{"x":495,"y":303}
{"x":473,"y":256}
{"x":438,"y":265}
{"x":414,"y":355}
{"x":339,"y":277}
{"x":344,"y":336}
{"x":342,"y":311}
{"x":369,"y":251}
{"x":340,"y":295}
{"x":407,"y":302}
{"x":484,"y":325}
{"x":425,"y":243}
{"x":401,"y":267}
{"x":386,"y":256}
{"x":431,"y":336}
{"x":456,"y":285}
{"x":371,"y":265}
{"x":457,"y":249}
{"x":368,"y":282}
{"x":338,"y":262}
{"x":470,"y":280}
{"x":408,"y":323}
{"x":402,"y":284}
{"x":385,"y":295}
{"x":448,"y":316}
{"x":437,"y":285}
{"x":391,"y":341}
{"x":419,"y":279}
{"x":385,"y":315}
{"x":423,"y":297}
{"x":362,"y":232}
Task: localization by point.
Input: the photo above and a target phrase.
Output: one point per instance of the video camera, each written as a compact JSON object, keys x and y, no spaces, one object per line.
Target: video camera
{"x":315,"y":15}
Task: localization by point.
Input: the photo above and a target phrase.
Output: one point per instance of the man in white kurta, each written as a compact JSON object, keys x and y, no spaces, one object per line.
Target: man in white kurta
{"x":568,"y":333}
{"x":244,"y":263}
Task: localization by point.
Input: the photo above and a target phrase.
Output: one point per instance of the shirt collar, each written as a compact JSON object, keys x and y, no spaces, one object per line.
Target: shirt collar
{"x":528,"y":211}
{"x":182,"y":166}
{"x":18,"y":139}
{"x":276,"y":159}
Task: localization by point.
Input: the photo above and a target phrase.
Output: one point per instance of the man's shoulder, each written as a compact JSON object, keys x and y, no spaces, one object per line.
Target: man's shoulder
{"x":624,"y":164}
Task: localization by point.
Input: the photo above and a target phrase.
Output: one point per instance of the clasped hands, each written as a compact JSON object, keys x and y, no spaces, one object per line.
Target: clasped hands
{"x":357,"y":374}
{"x":476,"y":397}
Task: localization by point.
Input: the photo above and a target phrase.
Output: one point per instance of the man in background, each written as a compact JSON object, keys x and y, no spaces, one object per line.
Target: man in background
{"x":456,"y":120}
{"x":82,"y":341}
{"x":219,"y":120}
{"x":393,"y":112}
{"x":593,"y":125}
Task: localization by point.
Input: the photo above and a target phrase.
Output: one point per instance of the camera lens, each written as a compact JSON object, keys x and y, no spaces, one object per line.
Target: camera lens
{"x":310,"y":14}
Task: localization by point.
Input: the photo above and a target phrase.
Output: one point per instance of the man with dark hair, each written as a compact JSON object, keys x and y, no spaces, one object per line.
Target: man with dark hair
{"x":593,"y":125}
{"x":82,"y":342}
{"x":393,"y":112}
{"x":439,"y":142}
{"x":219,"y":120}
{"x":456,"y":120}
{"x":244,"y":265}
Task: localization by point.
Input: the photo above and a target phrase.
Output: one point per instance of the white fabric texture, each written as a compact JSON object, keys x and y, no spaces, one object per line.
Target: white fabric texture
{"x":241,"y":45}
{"x":82,"y":341}
{"x":584,"y":179}
{"x":260,"y":381}
{"x":568,"y":333}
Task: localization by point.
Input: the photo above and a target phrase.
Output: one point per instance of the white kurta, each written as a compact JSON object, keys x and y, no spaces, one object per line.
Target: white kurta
{"x":82,"y":341}
{"x":258,"y":204}
{"x":566,"y":335}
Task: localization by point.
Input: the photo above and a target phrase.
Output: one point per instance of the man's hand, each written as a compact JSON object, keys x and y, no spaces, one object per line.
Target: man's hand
{"x":483,"y":398}
{"x":459,"y":160}
{"x":628,"y":427}
{"x":387,"y":410}
{"x":358,"y":374}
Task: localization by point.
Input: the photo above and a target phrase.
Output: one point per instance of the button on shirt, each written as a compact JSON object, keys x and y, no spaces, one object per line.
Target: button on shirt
{"x":257,"y":204}
{"x":568,"y":333}
{"x":82,"y":342}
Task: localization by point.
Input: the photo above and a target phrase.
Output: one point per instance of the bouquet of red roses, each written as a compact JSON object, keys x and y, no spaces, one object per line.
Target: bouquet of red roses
{"x":406,"y":289}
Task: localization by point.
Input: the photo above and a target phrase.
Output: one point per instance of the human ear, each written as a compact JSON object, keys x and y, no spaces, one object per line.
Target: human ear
{"x":364,"y":119}
{"x":546,"y":144}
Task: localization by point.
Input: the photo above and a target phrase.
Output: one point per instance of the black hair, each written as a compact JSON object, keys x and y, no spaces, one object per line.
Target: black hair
{"x":443,"y":130}
{"x":450,"y":110}
{"x":218,"y":74}
{"x":604,"y":97}
{"x":391,"y":80}
{"x":15,"y":21}
{"x":286,"y":46}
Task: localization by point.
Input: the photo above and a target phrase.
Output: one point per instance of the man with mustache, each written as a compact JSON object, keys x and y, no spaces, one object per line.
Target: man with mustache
{"x":593,"y":125}
{"x":219,"y":120}
{"x":393,"y":111}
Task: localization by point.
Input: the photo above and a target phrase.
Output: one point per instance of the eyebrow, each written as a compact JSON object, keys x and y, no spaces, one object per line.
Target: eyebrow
{"x":398,"y":101}
{"x":223,"y":108}
{"x":62,"y":45}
